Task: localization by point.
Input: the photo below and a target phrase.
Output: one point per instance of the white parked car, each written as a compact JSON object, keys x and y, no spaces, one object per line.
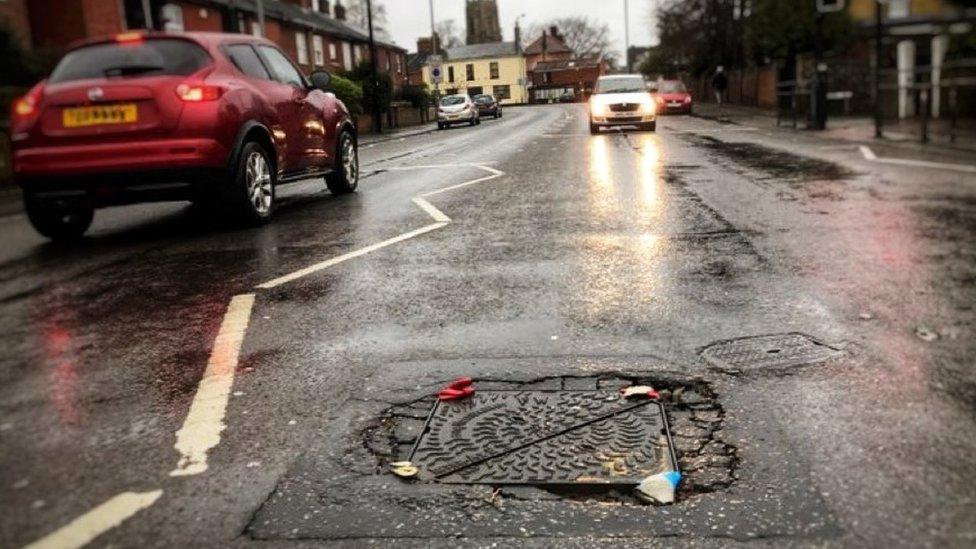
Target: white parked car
{"x":457,"y":109}
{"x":622,"y":100}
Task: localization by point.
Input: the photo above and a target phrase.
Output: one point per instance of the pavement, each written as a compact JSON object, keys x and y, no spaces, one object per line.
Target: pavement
{"x":174,"y":381}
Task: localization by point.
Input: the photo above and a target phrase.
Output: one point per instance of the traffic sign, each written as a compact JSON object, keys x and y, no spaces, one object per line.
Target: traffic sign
{"x":436,"y":73}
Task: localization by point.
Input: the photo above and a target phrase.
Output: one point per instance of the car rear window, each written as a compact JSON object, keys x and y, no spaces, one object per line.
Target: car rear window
{"x":452,"y":100}
{"x":131,"y":59}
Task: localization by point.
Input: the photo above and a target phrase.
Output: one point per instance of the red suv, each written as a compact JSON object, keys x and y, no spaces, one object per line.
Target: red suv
{"x":219,"y":119}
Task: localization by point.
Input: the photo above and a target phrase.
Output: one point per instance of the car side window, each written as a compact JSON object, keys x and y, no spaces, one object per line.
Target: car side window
{"x":247,"y":60}
{"x":282,"y":68}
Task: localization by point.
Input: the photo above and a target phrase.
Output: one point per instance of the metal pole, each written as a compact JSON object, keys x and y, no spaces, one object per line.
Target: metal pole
{"x":433,"y":41}
{"x":261,"y":17}
{"x":147,"y":14}
{"x":878,"y":134}
{"x":377,"y":114}
{"x":627,"y":34}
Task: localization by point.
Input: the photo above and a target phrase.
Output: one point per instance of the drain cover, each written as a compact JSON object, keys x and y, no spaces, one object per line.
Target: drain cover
{"x":544,"y":437}
{"x":772,"y":351}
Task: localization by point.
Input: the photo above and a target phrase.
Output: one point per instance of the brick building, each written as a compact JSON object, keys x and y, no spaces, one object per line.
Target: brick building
{"x":312,"y":32}
{"x":549,"y":46}
{"x":551,"y":80}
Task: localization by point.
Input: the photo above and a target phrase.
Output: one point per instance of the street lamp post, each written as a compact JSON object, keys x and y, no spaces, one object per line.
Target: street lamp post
{"x":377,"y":114}
{"x":260,"y":7}
{"x":876,"y":77}
{"x":627,"y":35}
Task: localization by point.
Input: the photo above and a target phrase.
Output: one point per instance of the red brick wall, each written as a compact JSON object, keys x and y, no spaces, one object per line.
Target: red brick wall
{"x":13,"y":15}
{"x":103,"y":17}
{"x":201,"y":19}
{"x":54,"y":23}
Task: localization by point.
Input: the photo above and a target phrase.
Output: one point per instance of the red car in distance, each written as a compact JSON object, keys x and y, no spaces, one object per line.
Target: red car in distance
{"x":672,"y":97}
{"x":217,"y":119}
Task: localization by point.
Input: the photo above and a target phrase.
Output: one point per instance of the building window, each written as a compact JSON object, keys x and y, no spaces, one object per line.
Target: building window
{"x":172,"y":16}
{"x":301,"y":47}
{"x":898,"y":9}
{"x":493,"y":68}
{"x":315,"y":5}
{"x":318,"y":52}
{"x":502,"y":92}
{"x":450,"y":74}
{"x":333,"y":54}
{"x":469,"y":71}
{"x":347,"y":56}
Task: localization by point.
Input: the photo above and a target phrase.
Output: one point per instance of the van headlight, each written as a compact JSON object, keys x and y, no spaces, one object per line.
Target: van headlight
{"x":598,"y":107}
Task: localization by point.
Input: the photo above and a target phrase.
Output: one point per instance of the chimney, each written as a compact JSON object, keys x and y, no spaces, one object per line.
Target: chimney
{"x":339,"y":11}
{"x":518,"y":37}
{"x":425,"y":45}
{"x":554,"y":31}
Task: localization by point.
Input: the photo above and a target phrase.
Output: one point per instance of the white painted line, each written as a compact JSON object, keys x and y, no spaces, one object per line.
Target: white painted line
{"x":346,"y":257}
{"x":439,"y":216}
{"x":431,"y":210}
{"x":84,"y":529}
{"x":868,"y":154}
{"x":202,"y":426}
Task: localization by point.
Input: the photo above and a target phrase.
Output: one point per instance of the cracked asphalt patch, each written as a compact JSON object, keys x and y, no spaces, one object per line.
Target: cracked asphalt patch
{"x":342,"y":489}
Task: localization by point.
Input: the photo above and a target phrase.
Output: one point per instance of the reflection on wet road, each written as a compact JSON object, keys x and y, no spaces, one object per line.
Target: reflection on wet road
{"x":599,"y":255}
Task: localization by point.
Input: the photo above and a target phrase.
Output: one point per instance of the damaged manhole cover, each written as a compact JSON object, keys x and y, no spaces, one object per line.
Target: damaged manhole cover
{"x":771,"y":351}
{"x":544,"y":437}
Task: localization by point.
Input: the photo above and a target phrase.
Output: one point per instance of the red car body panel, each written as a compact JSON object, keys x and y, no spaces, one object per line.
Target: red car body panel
{"x":171,"y":134}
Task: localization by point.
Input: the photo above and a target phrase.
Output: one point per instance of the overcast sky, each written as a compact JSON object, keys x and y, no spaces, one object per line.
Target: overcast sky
{"x":410,"y":19}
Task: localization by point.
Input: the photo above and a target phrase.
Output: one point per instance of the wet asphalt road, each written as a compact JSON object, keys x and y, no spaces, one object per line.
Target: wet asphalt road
{"x":625,"y":253}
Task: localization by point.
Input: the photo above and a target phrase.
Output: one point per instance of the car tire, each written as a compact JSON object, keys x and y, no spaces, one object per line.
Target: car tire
{"x":252,"y":188}
{"x":58,"y":223}
{"x":472,"y":121}
{"x":650,"y":126}
{"x":594,"y":129}
{"x":344,"y":179}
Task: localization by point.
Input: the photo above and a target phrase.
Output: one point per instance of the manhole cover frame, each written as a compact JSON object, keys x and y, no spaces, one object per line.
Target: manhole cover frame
{"x":661,"y":412}
{"x":725,"y":354}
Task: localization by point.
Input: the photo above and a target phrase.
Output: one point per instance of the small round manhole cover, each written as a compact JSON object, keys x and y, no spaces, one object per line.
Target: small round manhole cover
{"x":768,"y":352}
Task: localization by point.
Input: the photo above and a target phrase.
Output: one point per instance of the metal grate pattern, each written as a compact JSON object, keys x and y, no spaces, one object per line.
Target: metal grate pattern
{"x":544,"y":437}
{"x":768,"y":352}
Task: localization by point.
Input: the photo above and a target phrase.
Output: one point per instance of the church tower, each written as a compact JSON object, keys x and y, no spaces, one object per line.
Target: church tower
{"x":482,"y":20}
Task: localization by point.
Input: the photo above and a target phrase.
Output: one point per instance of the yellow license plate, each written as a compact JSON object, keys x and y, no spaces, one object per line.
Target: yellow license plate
{"x":77,"y":117}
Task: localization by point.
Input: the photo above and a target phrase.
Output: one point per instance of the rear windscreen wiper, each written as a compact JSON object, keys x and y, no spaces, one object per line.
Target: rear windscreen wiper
{"x":131,"y":69}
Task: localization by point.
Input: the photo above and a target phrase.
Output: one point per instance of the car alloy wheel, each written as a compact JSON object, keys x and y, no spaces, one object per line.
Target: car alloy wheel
{"x":350,"y":160}
{"x":260,"y":189}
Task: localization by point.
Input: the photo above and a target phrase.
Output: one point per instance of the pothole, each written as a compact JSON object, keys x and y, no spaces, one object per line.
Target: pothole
{"x":775,"y":352}
{"x":561,"y":437}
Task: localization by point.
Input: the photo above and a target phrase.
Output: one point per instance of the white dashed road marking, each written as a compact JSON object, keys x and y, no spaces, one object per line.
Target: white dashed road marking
{"x":203,"y":424}
{"x":96,"y":522}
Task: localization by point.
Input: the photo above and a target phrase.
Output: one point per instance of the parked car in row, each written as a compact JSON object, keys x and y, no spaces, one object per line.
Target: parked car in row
{"x":217,"y":119}
{"x":457,"y":109}
{"x":488,"y":106}
{"x":622,"y":100}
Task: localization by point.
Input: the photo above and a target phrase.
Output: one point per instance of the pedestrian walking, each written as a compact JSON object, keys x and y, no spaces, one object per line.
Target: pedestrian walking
{"x":720,"y":83}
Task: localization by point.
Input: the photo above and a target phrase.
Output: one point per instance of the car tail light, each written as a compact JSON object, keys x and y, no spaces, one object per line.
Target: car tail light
{"x":129,"y":37}
{"x":198,"y":93}
{"x":27,"y":107}
{"x":687,"y":99}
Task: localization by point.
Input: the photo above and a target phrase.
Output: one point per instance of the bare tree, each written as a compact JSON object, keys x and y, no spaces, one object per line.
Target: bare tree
{"x":357,"y":16}
{"x":449,"y":33}
{"x":585,"y":36}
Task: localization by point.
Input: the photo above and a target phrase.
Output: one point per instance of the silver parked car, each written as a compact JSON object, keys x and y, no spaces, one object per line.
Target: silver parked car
{"x":457,"y":109}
